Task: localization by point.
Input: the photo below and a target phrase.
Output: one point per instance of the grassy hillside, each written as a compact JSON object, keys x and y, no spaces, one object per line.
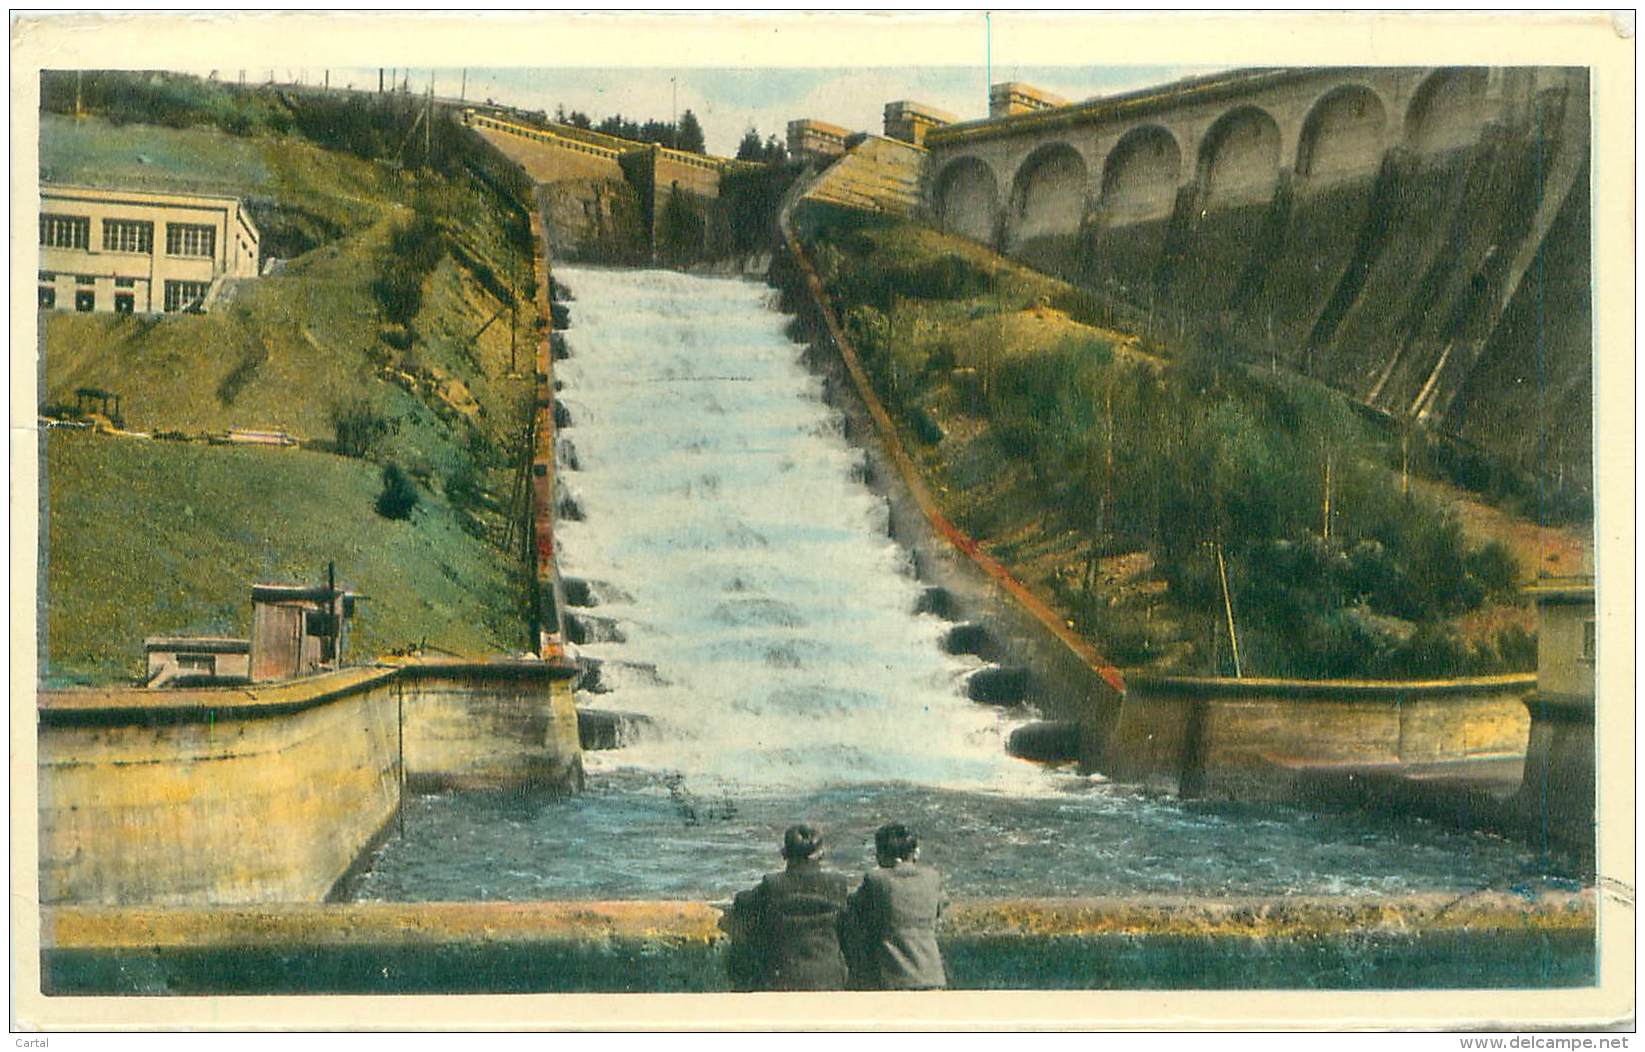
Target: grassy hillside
{"x":1109,"y":472}
{"x":155,"y":538}
{"x":384,"y":335}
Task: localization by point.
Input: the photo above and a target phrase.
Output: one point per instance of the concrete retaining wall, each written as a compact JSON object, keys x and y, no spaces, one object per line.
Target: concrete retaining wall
{"x":272,"y":793}
{"x":1488,"y":939}
{"x":1247,"y":738}
{"x":505,"y":726}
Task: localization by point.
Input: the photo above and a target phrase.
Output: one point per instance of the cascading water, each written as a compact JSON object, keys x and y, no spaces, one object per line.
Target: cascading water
{"x":744,"y":599}
{"x":762,"y":587}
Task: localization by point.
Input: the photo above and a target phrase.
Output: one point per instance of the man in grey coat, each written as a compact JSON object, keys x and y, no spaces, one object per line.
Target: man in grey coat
{"x":890,"y":927}
{"x":784,"y":932}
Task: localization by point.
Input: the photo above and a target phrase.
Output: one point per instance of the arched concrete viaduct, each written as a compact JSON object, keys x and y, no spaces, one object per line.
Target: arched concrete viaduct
{"x":1231,"y":135}
{"x":1140,"y":175}
{"x":1048,"y":194}
{"x":965,"y":199}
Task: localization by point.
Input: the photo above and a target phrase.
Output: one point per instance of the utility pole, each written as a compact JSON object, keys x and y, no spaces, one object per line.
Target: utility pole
{"x":462,"y":93}
{"x":79,"y":109}
{"x":328,"y":80}
{"x":428,"y":123}
{"x":379,"y":80}
{"x":674,"y":102}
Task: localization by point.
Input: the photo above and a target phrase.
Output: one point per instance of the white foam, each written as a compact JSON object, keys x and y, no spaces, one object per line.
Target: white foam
{"x":777,"y":614}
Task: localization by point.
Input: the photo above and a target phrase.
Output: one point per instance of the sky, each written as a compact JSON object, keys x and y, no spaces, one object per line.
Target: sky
{"x":729,"y":101}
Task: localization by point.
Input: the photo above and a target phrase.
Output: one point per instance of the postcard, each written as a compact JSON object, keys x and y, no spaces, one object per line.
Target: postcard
{"x":957,"y":520}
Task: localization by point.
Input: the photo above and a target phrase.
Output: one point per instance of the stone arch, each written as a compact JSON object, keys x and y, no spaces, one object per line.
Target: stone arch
{"x":1239,"y":160}
{"x":1343,"y":133}
{"x":966,"y":198}
{"x":1140,"y":175}
{"x":1048,"y":193}
{"x":1446,"y":110}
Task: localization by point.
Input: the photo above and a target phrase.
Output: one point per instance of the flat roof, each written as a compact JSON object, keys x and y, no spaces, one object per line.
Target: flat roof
{"x":920,"y":109}
{"x":160,"y":196}
{"x":1009,"y":87}
{"x":816,"y":125}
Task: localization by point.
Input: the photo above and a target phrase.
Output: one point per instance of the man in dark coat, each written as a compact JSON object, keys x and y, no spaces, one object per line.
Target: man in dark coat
{"x":890,"y":925}
{"x":784,"y":933}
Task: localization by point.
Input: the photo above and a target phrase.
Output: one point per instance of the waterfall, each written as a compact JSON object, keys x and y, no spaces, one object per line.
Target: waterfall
{"x":767,"y":623}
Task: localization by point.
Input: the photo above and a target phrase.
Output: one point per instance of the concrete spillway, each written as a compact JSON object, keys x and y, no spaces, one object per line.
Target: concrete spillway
{"x":788,"y":664}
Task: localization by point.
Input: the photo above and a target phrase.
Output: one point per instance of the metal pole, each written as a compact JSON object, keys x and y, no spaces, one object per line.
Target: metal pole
{"x":1228,"y":608}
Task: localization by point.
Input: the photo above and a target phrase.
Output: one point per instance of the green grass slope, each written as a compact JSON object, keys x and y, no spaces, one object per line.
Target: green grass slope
{"x":158,"y":538}
{"x":1101,"y":472}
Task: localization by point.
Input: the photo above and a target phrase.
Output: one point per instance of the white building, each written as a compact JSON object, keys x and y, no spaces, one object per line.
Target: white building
{"x":138,"y":251}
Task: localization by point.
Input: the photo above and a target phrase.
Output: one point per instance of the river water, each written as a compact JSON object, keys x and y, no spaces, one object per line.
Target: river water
{"x":749,"y":604}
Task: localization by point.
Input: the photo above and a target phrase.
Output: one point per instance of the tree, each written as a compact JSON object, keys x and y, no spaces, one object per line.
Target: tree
{"x":750,"y":149}
{"x":399,"y":495}
{"x":690,"y":133}
{"x":775,"y":152}
{"x":579,"y":119}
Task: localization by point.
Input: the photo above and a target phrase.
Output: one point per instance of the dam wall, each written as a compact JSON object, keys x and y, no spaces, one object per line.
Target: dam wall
{"x":1416,"y":237}
{"x":1064,"y":676}
{"x":272,"y":793}
{"x":610,"y":200}
{"x":875,"y":175}
{"x":1543,"y":938}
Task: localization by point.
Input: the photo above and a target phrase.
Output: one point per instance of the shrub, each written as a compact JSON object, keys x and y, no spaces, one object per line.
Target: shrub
{"x":1496,"y":570}
{"x":399,"y":495}
{"x":356,"y":427}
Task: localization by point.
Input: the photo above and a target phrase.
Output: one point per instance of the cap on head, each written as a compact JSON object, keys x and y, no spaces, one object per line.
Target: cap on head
{"x":801,"y":841}
{"x":895,"y":840}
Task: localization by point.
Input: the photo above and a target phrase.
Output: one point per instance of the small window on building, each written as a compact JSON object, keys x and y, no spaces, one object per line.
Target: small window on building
{"x":48,"y":298}
{"x":85,"y":300}
{"x":128,"y":235}
{"x":191,"y":239}
{"x":59,"y":231}
{"x":124,"y":303}
{"x":181,"y":295}
{"x":46,"y":275}
{"x":125,"y":283}
{"x":197,"y":662}
{"x":1590,"y":641}
{"x":85,"y":279}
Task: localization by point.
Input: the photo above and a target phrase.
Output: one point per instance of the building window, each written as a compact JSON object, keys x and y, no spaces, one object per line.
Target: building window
{"x":48,"y":297}
{"x":124,"y":303}
{"x":191,"y":239}
{"x":181,"y":295}
{"x":46,"y":275}
{"x":125,"y":283}
{"x":1590,"y":641}
{"x":58,"y":231}
{"x":85,"y":301}
{"x":85,"y":279}
{"x":128,"y":235}
{"x":197,"y":662}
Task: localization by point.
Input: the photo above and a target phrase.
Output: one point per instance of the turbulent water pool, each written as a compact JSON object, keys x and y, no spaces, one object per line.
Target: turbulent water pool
{"x":749,"y":604}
